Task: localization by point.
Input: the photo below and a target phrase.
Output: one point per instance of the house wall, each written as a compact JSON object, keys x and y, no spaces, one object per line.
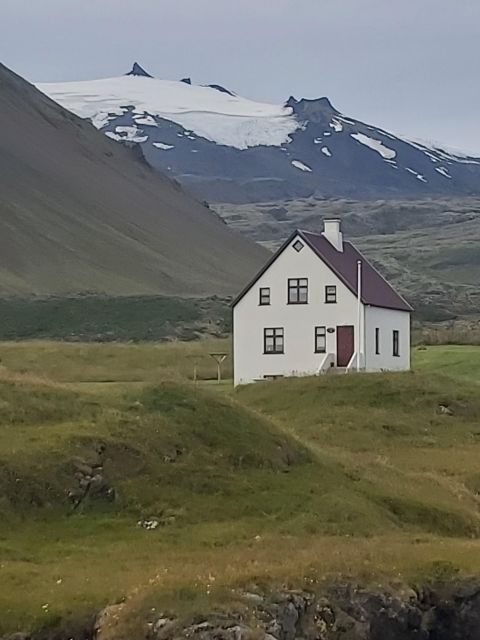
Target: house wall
{"x":298,"y":321}
{"x":386,"y":320}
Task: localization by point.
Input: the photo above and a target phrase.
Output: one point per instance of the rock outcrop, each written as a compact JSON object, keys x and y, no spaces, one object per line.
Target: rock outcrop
{"x":341,"y":612}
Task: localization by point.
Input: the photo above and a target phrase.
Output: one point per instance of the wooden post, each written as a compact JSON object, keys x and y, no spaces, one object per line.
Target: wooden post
{"x":219,"y":358}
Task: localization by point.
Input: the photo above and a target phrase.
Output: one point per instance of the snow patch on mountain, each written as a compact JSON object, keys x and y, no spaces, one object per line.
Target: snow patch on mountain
{"x":217,"y":116}
{"x":114,"y":136}
{"x":416,"y":174}
{"x":336,"y":124}
{"x":162,"y":145}
{"x":131,"y":134}
{"x":145,"y":120}
{"x":327,"y":152}
{"x":375,"y":145}
{"x":300,"y":165}
{"x":435,"y":152}
{"x":443,"y":171}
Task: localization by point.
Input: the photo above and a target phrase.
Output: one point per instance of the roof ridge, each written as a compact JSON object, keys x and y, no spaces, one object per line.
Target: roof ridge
{"x":379,"y":274}
{"x":344,"y":278}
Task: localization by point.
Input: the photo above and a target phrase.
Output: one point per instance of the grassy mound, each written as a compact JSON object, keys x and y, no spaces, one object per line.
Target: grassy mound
{"x":409,"y":441}
{"x":159,"y":446}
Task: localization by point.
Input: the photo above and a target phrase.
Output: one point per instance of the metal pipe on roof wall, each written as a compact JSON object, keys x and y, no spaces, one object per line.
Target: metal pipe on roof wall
{"x":359,"y":312}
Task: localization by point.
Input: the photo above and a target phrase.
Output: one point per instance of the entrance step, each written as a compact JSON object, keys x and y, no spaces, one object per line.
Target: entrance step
{"x":333,"y":371}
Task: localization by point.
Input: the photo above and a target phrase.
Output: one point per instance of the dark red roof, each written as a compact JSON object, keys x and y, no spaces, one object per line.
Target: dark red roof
{"x":376,"y":291}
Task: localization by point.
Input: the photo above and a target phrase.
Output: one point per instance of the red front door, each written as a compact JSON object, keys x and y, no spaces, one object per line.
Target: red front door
{"x":345,"y":345}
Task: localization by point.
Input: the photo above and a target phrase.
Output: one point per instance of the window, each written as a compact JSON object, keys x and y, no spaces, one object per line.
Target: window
{"x":396,"y":343}
{"x":320,"y":339}
{"x":330,"y":294}
{"x":297,"y":291}
{"x":298,"y":246}
{"x":264,"y":297}
{"x":273,"y":340}
{"x":377,"y":341}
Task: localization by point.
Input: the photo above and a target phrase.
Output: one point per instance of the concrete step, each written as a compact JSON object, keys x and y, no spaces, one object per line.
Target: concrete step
{"x":334,"y":371}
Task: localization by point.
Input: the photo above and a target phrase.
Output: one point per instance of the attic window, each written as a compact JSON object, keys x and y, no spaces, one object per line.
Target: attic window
{"x":264,"y":296}
{"x":298,"y":246}
{"x":297,"y":291}
{"x":330,"y":294}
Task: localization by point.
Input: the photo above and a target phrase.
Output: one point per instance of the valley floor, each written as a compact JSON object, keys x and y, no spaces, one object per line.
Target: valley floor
{"x":200,"y":489}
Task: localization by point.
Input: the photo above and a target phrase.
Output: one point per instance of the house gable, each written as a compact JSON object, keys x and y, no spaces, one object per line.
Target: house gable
{"x":376,"y":291}
{"x":265,"y":268}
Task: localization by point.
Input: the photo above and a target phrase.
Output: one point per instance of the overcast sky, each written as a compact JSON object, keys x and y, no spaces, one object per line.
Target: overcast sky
{"x":411,"y":66}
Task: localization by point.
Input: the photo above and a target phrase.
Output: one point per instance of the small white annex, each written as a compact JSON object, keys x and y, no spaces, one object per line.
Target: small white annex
{"x":318,"y":306}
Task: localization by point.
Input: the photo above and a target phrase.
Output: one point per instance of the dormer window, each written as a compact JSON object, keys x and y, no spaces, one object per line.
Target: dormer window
{"x":264,"y":296}
{"x":330,"y":294}
{"x":297,"y":290}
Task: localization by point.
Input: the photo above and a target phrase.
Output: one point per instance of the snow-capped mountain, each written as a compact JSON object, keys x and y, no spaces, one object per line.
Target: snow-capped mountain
{"x":227,"y":148}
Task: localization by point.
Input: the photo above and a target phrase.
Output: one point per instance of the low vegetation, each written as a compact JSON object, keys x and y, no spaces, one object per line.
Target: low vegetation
{"x":121,"y":479}
{"x":459,"y":334}
{"x":96,"y":318}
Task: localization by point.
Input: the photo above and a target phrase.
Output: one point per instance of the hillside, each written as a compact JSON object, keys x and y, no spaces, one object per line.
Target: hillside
{"x":226,"y":148}
{"x":198,"y":492}
{"x":79,"y":212}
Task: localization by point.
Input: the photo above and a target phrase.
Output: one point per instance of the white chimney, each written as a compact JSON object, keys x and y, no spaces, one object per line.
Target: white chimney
{"x":331,"y":231}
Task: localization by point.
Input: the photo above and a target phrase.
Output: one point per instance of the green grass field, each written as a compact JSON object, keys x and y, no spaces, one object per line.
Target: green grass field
{"x":357,"y":475}
{"x":460,"y":362}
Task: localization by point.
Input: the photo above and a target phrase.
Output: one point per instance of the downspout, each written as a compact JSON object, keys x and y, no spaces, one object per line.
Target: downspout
{"x":359,"y":312}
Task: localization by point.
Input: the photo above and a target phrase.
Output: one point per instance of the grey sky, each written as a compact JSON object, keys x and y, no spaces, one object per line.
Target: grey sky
{"x":411,"y":66}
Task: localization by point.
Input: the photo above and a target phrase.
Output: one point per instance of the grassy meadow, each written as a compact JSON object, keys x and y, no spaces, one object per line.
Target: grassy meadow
{"x":279,"y":482}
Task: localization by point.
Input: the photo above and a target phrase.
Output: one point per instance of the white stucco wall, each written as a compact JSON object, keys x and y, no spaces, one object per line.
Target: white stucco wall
{"x":298,"y":321}
{"x":387,"y":320}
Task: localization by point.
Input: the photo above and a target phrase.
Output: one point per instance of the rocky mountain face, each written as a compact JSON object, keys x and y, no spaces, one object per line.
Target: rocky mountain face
{"x":81,"y":213}
{"x":225,"y":148}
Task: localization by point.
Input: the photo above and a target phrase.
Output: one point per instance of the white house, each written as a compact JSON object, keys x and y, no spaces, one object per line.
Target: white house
{"x":318,"y":306}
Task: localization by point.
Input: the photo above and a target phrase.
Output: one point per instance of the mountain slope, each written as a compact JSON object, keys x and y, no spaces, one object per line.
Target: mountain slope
{"x":229,"y":149}
{"x":79,"y":212}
